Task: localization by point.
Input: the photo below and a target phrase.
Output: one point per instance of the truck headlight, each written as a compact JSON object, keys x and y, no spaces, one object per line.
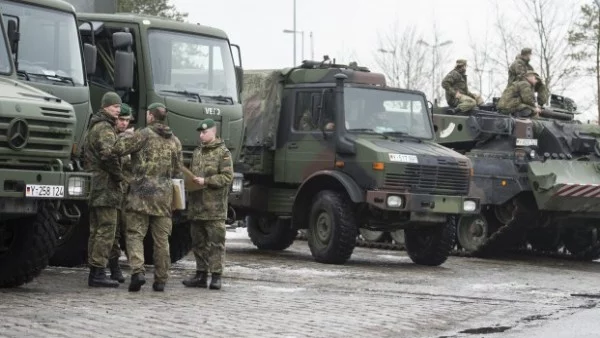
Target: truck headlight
{"x":236,"y":186}
{"x":394,"y":201}
{"x":76,"y":186}
{"x":469,"y":205}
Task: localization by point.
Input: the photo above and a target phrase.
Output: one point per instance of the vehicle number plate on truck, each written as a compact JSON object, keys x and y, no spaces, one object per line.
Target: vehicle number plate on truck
{"x":44,"y":191}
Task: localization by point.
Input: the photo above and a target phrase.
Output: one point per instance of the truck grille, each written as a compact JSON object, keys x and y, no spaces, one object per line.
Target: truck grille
{"x":442,"y":180}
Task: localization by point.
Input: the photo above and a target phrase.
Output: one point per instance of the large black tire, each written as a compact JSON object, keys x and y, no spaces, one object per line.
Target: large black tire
{"x":73,"y":241}
{"x":180,"y":241}
{"x":271,"y":233}
{"x":432,"y":245}
{"x":31,"y":243}
{"x":332,"y":228}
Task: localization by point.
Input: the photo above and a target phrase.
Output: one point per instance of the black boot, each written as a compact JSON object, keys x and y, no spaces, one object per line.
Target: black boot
{"x":215,"y":281}
{"x":198,"y":281}
{"x":97,"y":278}
{"x":137,"y":280}
{"x":156,"y":286}
{"x":115,"y":270}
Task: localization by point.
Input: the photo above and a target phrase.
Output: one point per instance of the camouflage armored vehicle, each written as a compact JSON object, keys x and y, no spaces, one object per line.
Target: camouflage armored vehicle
{"x":329,"y":148}
{"x":188,"y":67}
{"x":541,"y":189}
{"x":40,"y":182}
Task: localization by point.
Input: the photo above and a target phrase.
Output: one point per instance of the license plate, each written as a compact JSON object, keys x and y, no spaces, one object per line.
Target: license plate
{"x":44,"y":191}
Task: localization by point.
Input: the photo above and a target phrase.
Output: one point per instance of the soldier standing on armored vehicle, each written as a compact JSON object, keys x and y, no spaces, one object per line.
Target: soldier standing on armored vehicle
{"x":458,"y":95}
{"x":106,"y":195}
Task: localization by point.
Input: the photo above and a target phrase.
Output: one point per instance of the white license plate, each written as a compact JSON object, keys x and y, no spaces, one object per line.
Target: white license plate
{"x":44,"y":191}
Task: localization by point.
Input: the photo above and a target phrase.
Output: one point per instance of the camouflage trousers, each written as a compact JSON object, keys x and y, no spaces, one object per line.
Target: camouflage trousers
{"x":115,"y":252}
{"x":103,"y":224}
{"x":208,"y":244}
{"x":160,"y":228}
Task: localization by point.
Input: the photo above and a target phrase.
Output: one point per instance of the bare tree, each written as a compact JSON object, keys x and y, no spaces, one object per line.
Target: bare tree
{"x":481,"y":62}
{"x":401,"y":58}
{"x":502,"y":51}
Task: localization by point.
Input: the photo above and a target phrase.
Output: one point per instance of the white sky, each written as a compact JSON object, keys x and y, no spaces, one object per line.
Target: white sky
{"x":351,"y":27}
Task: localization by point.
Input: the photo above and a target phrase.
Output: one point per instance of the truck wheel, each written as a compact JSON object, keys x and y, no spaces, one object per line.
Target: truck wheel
{"x":332,"y":228}
{"x":180,"y":241}
{"x":26,"y":245}
{"x":431,"y":246}
{"x":73,"y":241}
{"x":268,"y":233}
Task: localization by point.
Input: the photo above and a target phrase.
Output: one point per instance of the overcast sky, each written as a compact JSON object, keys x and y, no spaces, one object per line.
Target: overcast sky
{"x":343,"y":28}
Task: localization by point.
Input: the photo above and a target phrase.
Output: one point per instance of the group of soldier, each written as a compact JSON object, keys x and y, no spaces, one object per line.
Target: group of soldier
{"x":518,"y":98}
{"x":133,"y":192}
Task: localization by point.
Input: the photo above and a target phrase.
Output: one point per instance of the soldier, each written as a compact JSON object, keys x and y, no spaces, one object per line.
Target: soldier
{"x":519,"y":99}
{"x":458,"y":95}
{"x":106,"y":195}
{"x":113,"y":263}
{"x":306,"y":122}
{"x":156,"y":158}
{"x":519,"y":67}
{"x":213,"y":166}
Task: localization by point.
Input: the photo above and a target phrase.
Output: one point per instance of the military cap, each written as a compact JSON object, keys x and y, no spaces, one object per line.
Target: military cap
{"x":110,"y":98}
{"x":158,"y":110}
{"x":206,"y":124}
{"x":461,"y":62}
{"x":125,"y":111}
{"x":525,"y":51}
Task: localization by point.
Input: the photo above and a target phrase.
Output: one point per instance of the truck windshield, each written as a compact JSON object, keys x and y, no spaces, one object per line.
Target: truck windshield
{"x":385,"y":111}
{"x":192,"y":66}
{"x":49,"y":44}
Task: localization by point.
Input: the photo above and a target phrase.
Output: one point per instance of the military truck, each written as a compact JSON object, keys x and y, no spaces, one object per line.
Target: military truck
{"x":538,"y":180}
{"x":188,"y":67}
{"x":329,"y":148}
{"x":39,"y":180}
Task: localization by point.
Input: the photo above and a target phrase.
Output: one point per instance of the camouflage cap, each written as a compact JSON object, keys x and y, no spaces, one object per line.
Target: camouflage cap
{"x":110,"y":98}
{"x":158,"y":110}
{"x":206,"y":124}
{"x":125,"y":112}
{"x":461,"y":62}
{"x":526,"y":51}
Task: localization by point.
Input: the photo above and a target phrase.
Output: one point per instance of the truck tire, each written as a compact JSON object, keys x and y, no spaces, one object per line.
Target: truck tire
{"x":271,"y":233}
{"x":73,"y":242}
{"x":31,"y":243}
{"x":180,"y":242}
{"x":431,"y":246}
{"x":332,"y":228}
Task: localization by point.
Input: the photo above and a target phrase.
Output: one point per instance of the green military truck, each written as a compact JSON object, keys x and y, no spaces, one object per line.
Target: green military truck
{"x":39,"y":180}
{"x":329,"y":148}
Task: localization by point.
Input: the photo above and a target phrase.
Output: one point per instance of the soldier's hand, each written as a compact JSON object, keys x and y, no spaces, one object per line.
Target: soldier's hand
{"x":458,"y":95}
{"x":199,"y":180}
{"x":537,"y":111}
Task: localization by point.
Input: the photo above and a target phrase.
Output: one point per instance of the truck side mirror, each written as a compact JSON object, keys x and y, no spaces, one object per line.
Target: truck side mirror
{"x":239,"y":76}
{"x":90,"y":55}
{"x":13,"y":34}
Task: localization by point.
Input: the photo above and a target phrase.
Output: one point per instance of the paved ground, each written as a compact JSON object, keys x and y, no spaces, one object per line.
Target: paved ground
{"x":378,"y":293}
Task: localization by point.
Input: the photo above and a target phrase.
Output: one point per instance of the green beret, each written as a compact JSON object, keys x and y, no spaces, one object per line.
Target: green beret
{"x":206,"y":124}
{"x":110,"y":98}
{"x":461,"y":62}
{"x":125,"y":111}
{"x":155,"y":106}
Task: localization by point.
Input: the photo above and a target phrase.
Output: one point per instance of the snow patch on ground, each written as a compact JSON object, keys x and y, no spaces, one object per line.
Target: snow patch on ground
{"x":279,"y":289}
{"x":395,"y":258}
{"x":237,"y":233}
{"x":500,"y":286}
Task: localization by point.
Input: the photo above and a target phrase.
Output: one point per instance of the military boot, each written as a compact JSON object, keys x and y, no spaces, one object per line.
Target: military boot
{"x":198,"y":281}
{"x":115,"y":270}
{"x":215,"y":281}
{"x":137,"y":280}
{"x":97,"y":278}
{"x":156,"y":286}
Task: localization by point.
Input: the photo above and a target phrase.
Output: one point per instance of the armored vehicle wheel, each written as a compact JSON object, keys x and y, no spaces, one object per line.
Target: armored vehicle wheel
{"x":431,"y":246}
{"x":583,"y":244}
{"x":73,"y":241}
{"x":332,"y":228}
{"x":547,"y":240}
{"x":472,"y":232}
{"x":180,"y":241}
{"x":371,"y":235}
{"x":398,"y":237}
{"x":271,"y":233}
{"x":26,"y":245}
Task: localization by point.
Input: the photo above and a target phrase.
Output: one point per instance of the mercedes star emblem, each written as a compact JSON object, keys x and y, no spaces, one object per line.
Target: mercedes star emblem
{"x":18,"y":134}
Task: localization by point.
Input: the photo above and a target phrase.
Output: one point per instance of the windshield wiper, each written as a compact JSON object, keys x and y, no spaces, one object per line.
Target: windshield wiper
{"x":183,"y":92}
{"x":402,"y":134}
{"x":369,"y":131}
{"x":53,"y":77}
{"x":220,"y":98}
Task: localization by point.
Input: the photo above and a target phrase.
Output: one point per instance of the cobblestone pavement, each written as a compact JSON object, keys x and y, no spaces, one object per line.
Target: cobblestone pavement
{"x":286,"y":294}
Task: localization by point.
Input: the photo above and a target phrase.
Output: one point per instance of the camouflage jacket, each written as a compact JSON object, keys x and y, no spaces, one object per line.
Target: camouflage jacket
{"x":156,"y":158}
{"x":453,"y":82}
{"x":213,"y":162}
{"x":100,"y":160}
{"x":518,"y":96}
{"x":517,"y":70}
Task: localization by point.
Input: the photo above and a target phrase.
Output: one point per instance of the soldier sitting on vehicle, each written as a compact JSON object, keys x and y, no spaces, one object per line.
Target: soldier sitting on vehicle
{"x":519,"y":99}
{"x":458,"y":95}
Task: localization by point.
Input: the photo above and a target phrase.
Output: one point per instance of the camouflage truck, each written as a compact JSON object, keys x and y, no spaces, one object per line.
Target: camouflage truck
{"x":40,"y":182}
{"x":539,"y":188}
{"x":329,"y":148}
{"x":188,"y":67}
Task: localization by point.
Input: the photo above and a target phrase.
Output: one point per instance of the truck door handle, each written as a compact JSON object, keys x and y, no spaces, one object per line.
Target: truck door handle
{"x":292,"y":146}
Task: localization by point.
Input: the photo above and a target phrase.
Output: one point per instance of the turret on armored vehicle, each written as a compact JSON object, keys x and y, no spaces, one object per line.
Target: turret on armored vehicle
{"x":330,"y":148}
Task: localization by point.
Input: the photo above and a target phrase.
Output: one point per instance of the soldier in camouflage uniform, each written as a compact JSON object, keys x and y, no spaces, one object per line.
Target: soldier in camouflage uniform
{"x":306,"y":122}
{"x":213,"y":166}
{"x":106,"y":195}
{"x":156,"y":158}
{"x":517,"y":70}
{"x":519,"y":100}
{"x":458,"y":95}
{"x":113,"y":262}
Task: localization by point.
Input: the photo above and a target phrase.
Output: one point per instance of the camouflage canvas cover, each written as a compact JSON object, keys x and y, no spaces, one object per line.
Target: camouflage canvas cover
{"x":261,"y":102}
